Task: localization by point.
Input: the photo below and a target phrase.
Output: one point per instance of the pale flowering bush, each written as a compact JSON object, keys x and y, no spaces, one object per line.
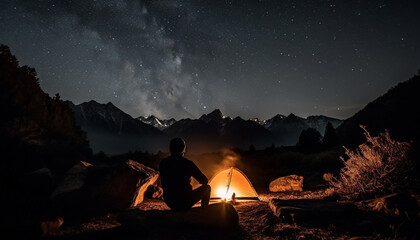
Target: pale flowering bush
{"x":379,"y":166}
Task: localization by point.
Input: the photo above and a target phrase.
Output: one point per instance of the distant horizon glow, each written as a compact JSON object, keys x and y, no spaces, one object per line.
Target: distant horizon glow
{"x":182,"y":59}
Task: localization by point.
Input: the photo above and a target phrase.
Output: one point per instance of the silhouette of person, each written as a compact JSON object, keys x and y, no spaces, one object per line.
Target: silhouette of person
{"x":176,"y":172}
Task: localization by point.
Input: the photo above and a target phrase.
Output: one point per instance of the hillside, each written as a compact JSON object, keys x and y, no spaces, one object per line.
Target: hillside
{"x":397,"y":110}
{"x":36,"y":130}
{"x":112,"y":131}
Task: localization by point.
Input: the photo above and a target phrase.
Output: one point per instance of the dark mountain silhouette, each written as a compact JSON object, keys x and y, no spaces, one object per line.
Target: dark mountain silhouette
{"x":288,"y":129}
{"x":200,"y":136}
{"x":212,"y":126}
{"x":214,"y":131}
{"x":111,"y":130}
{"x":36,"y":130}
{"x":272,"y":122}
{"x":215,"y":116}
{"x":246,"y":132}
{"x":320,"y":122}
{"x":397,"y":110}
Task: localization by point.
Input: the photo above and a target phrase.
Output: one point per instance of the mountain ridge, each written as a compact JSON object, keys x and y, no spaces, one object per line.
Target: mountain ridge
{"x":396,"y":111}
{"x":213,"y":131}
{"x":113,"y":131}
{"x":209,"y":132}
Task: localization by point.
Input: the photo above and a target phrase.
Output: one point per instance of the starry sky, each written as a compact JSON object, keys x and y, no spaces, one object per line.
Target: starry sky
{"x":248,"y":58}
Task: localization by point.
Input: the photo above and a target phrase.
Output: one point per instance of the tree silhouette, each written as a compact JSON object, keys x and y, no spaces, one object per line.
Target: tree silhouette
{"x":252,"y":148}
{"x":330,"y":137}
{"x":35,"y":129}
{"x":309,"y":140}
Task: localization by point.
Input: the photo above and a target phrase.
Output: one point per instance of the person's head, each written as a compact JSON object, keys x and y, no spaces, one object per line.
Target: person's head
{"x":177,"y":146}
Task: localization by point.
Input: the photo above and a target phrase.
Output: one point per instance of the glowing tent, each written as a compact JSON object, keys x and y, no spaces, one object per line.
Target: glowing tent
{"x":229,"y":181}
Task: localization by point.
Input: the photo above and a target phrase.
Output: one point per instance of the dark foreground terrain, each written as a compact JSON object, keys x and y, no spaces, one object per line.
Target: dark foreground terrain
{"x":256,"y":221}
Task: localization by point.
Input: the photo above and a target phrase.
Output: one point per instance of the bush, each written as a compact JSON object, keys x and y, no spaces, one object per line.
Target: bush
{"x":379,"y":166}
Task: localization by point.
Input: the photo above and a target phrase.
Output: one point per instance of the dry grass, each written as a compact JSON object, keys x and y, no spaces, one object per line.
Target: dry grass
{"x":379,"y":166}
{"x":316,"y":194}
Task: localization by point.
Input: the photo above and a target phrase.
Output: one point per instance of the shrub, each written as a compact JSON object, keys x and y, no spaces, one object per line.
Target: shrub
{"x":379,"y":166}
{"x":309,"y":140}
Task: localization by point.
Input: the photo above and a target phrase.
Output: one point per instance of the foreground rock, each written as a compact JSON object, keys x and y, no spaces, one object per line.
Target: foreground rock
{"x":37,"y":184}
{"x":102,"y":188}
{"x":154,"y":191}
{"x":215,"y":216}
{"x":120,"y":187}
{"x":326,"y":213}
{"x":310,"y":209}
{"x":287,"y":183}
{"x":75,"y":179}
{"x":23,"y":201}
{"x":397,"y":204}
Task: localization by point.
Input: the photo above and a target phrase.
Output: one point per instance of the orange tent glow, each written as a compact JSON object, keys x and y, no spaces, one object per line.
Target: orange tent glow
{"x":231,"y":181}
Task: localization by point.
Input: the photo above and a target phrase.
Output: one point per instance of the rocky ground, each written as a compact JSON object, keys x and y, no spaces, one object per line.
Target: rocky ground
{"x":108,"y":192}
{"x":256,"y":221}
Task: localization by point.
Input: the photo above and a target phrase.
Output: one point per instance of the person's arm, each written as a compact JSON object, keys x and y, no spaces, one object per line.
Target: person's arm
{"x":198,"y":175}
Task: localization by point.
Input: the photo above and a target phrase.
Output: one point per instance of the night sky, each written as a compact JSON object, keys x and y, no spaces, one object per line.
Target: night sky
{"x":248,"y":58}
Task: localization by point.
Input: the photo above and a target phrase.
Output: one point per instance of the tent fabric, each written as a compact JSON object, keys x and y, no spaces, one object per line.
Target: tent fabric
{"x":229,"y":181}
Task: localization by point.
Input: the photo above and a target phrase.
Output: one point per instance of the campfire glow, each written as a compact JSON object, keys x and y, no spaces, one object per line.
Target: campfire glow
{"x":225,"y":193}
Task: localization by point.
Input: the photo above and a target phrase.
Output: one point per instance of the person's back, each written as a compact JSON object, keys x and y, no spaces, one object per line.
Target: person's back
{"x":176,"y":172}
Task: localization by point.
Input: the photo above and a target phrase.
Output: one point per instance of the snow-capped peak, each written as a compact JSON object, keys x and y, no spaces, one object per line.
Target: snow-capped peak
{"x":156,"y":122}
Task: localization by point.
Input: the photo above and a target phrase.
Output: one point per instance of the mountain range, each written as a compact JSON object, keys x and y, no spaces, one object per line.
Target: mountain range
{"x":111,"y":130}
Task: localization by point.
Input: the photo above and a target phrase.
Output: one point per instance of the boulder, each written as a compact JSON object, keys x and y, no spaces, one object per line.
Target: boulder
{"x":104,"y":187}
{"x":121,"y":186}
{"x":24,"y":203}
{"x":325,"y":213}
{"x":37,"y":184}
{"x":154,"y":191}
{"x":396,"y":204}
{"x":214,"y":216}
{"x":287,"y":183}
{"x":307,"y":209}
{"x":51,"y":226}
{"x":74,"y":179}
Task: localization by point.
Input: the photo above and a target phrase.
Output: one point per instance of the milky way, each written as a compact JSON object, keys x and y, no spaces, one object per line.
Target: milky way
{"x":248,"y":58}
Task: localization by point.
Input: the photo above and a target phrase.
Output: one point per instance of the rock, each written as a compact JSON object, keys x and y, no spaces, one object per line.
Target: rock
{"x":323,"y":213}
{"x":397,"y":204}
{"x":24,"y":203}
{"x":37,"y":184}
{"x":308,"y":209}
{"x":74,"y":179}
{"x":107,"y":187}
{"x":51,"y":227}
{"x":122,"y":186}
{"x":287,"y":183}
{"x":154,"y":191}
{"x":215,"y":216}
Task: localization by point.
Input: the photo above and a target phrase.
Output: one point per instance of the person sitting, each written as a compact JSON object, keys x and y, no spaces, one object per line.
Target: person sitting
{"x":176,"y":172}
